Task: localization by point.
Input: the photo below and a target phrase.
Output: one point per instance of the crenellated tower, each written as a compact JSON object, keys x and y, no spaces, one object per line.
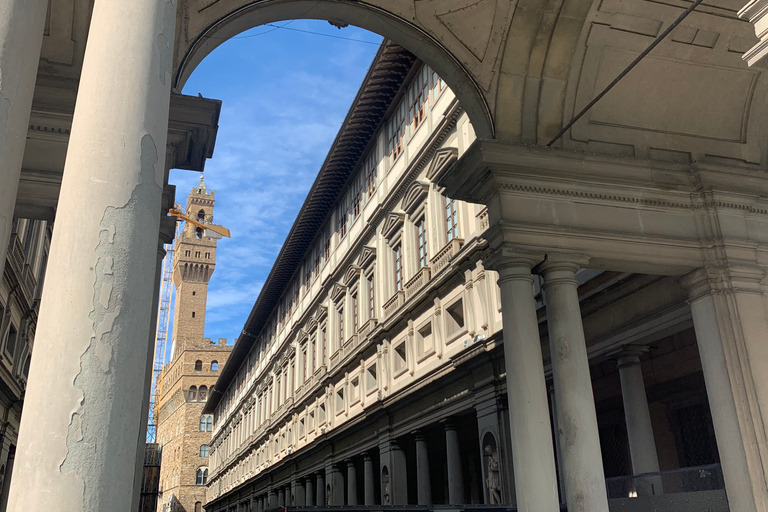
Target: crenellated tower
{"x":183,"y":431}
{"x":194,"y":265}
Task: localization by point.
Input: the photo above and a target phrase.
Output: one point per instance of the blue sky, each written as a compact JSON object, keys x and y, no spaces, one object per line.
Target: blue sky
{"x":285,"y":94}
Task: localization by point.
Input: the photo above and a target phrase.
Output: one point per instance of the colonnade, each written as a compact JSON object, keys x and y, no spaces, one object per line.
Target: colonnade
{"x":337,"y":484}
{"x":578,"y":439}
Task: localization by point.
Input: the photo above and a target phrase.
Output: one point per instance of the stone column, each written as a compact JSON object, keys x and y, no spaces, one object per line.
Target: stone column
{"x":642,"y":445}
{"x":21,"y":37}
{"x":299,"y":494}
{"x":423,"y":482}
{"x":351,"y":483}
{"x":78,"y":439}
{"x":337,"y":486}
{"x":453,"y":456}
{"x":280,"y":497}
{"x":582,"y":463}
{"x":142,"y":440}
{"x":370,"y":481}
{"x":309,"y":492}
{"x":273,"y":499}
{"x":399,"y":475}
{"x":728,"y":306}
{"x":320,"y":491}
{"x":533,"y":457}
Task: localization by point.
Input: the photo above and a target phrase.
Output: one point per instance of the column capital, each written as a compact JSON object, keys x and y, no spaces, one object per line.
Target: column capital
{"x":562,"y":262}
{"x":628,"y":355}
{"x":448,"y":423}
{"x":511,"y":260}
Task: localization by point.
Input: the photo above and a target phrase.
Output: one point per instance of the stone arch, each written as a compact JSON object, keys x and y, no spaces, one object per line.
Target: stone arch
{"x":201,"y":30}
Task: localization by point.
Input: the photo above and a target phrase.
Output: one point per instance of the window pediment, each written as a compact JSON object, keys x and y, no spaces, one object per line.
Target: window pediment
{"x":352,"y":273}
{"x":415,"y":194}
{"x":392,"y":224}
{"x":367,"y":256}
{"x":337,"y":291}
{"x":444,"y":160}
{"x":322,"y":312}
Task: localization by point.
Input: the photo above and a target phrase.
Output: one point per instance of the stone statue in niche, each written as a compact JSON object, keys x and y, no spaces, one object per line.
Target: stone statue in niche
{"x":386,"y":494}
{"x":493,"y":477}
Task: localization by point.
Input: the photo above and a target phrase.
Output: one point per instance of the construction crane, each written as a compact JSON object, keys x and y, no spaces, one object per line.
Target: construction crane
{"x":164,"y":310}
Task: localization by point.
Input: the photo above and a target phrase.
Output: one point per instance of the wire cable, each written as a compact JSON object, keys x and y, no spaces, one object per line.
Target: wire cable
{"x":629,"y":68}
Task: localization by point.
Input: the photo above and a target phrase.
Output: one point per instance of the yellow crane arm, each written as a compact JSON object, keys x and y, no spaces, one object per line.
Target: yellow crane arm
{"x":175,"y":212}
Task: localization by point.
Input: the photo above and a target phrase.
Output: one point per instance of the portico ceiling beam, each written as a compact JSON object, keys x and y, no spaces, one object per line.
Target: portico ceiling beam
{"x":192,"y":131}
{"x":627,"y":215}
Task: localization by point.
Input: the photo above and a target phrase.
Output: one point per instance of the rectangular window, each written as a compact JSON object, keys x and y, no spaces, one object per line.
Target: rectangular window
{"x":304,"y":363}
{"x":398,"y":255}
{"x":355,"y":314}
{"x":340,"y":400}
{"x":10,"y":344}
{"x":401,"y":358}
{"x":354,"y":390}
{"x":424,"y":339}
{"x":451,"y":221}
{"x":421,"y":243}
{"x":312,"y":348}
{"x":371,"y":172}
{"x":340,"y":313}
{"x":197,"y":254}
{"x":395,"y":133}
{"x":356,"y":205}
{"x":371,"y":377}
{"x":343,"y":217}
{"x":417,"y":97}
{"x":207,"y":255}
{"x":371,"y":298}
{"x":454,"y":320}
{"x":324,"y":343}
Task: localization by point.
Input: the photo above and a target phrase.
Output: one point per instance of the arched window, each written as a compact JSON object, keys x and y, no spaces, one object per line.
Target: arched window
{"x":204,"y":450}
{"x":201,"y":215}
{"x":206,"y":423}
{"x":198,"y":365}
{"x":193,"y":393}
{"x":201,"y":477}
{"x":202,"y":394}
{"x":198,"y":506}
{"x":214,"y":366}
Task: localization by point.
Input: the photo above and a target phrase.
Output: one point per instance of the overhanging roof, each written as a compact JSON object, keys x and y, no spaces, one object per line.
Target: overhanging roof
{"x":386,"y":75}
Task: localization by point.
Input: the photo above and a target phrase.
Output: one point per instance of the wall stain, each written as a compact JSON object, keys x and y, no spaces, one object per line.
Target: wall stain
{"x":165,"y":41}
{"x":5,"y":105}
{"x":95,"y":418}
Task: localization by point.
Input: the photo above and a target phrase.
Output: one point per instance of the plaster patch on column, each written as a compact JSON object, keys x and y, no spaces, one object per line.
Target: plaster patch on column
{"x":91,"y":430}
{"x":165,"y":40}
{"x":5,"y":105}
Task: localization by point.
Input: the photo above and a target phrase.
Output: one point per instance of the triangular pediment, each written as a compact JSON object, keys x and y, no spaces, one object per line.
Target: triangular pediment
{"x":367,"y":256}
{"x":415,"y":195}
{"x":392,"y":224}
{"x":443,"y":160}
{"x":337,"y":291}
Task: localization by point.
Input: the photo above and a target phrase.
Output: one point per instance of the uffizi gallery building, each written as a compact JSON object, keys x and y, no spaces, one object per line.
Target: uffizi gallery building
{"x":497,"y":293}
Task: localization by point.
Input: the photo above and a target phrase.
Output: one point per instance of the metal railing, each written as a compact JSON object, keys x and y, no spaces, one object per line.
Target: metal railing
{"x":692,"y":479}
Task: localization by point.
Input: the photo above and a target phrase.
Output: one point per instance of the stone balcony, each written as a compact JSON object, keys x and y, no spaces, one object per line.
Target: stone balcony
{"x":417,"y":282}
{"x":446,"y":254}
